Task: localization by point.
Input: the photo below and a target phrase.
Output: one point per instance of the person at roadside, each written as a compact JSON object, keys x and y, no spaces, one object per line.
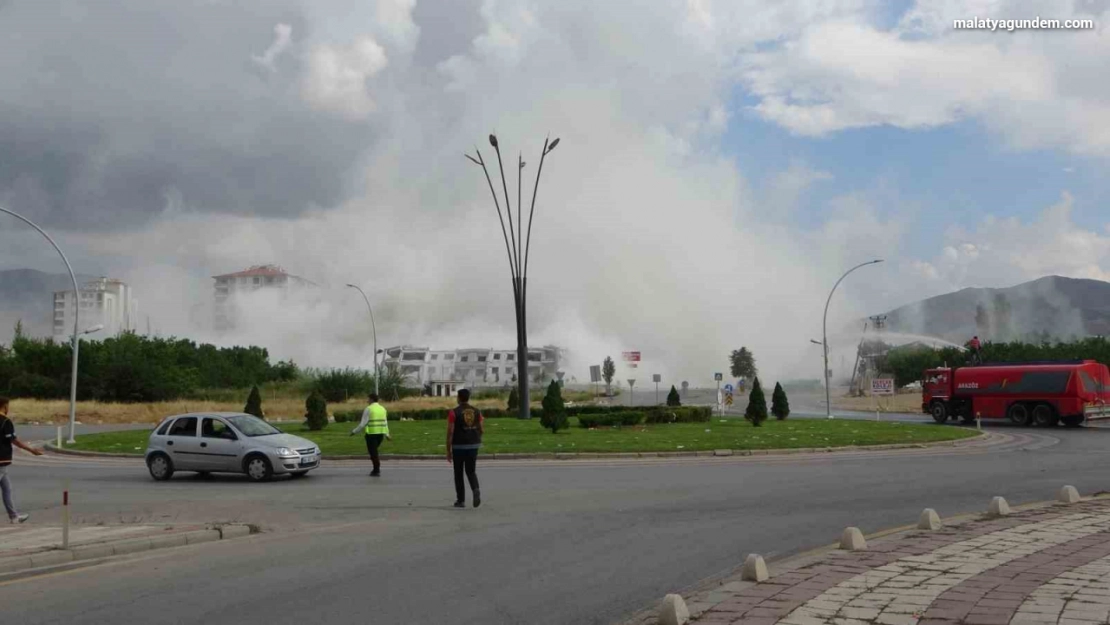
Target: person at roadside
{"x":7,"y":440}
{"x":465,"y":425}
{"x":976,"y":349}
{"x":375,"y":425}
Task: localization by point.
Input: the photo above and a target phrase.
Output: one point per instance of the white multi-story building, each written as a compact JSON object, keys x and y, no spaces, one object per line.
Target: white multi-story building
{"x":446,"y":370}
{"x":253,"y":279}
{"x":104,"y":301}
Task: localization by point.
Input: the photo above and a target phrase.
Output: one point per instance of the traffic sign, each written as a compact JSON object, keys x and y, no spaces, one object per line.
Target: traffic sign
{"x":656,"y":378}
{"x":595,"y":373}
{"x":729,"y":389}
{"x":882,"y":386}
{"x":718,"y":376}
{"x":728,"y":399}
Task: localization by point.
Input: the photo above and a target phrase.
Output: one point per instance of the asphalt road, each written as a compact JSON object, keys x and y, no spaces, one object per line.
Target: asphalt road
{"x":554,"y":542}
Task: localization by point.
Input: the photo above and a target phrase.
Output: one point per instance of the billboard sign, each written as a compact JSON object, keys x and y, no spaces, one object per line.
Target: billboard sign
{"x":882,"y":386}
{"x":595,"y":373}
{"x":632,"y":359}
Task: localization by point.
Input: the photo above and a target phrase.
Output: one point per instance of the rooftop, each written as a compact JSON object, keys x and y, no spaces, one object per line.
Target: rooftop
{"x":272,"y":271}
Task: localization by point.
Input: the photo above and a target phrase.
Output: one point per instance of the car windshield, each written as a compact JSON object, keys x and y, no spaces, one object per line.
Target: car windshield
{"x":252,"y":426}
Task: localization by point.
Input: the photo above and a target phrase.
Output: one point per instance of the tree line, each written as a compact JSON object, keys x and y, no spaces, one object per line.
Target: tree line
{"x":907,"y":363}
{"x":132,"y":368}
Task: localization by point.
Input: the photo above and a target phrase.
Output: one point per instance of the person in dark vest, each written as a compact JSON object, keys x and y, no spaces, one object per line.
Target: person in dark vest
{"x":464,"y":439}
{"x":7,"y":441}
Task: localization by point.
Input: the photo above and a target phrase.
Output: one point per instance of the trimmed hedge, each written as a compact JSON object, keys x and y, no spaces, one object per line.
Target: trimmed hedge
{"x":655,"y":414}
{"x":611,"y":419}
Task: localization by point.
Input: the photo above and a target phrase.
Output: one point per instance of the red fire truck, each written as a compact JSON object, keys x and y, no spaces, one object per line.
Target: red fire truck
{"x":1040,"y":393}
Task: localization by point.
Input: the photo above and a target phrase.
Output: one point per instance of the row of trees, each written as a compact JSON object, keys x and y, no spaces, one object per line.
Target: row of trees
{"x":132,"y":368}
{"x":756,"y":412}
{"x":908,"y":363}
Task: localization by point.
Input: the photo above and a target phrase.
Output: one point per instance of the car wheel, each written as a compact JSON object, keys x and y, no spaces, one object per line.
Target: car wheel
{"x":1019,"y":414}
{"x":258,"y":468}
{"x":1044,"y":416}
{"x":939,"y":412}
{"x":160,"y":466}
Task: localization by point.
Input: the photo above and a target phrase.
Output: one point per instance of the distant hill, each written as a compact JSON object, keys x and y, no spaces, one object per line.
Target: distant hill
{"x":1052,"y":306}
{"x":28,"y":295}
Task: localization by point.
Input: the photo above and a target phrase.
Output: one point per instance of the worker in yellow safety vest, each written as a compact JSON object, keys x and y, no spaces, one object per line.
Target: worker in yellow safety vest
{"x":375,"y":424}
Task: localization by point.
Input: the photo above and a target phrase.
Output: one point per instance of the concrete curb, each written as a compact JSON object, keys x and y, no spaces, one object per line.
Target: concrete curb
{"x":34,"y":563}
{"x":604,"y":456}
{"x":788,"y":562}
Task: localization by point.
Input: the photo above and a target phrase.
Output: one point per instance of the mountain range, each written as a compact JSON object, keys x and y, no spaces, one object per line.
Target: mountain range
{"x":1050,"y":307}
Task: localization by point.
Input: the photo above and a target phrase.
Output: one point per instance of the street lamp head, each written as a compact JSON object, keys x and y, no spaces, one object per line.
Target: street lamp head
{"x":816,"y":342}
{"x":493,"y":140}
{"x":552,"y":145}
{"x":352,"y":286}
{"x":877,"y":260}
{"x":97,"y":328}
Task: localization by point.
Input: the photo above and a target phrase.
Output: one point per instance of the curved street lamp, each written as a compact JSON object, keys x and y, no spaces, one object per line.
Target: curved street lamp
{"x":518,"y":244}
{"x":76,"y":314}
{"x":825,"y":335}
{"x":374,"y":329}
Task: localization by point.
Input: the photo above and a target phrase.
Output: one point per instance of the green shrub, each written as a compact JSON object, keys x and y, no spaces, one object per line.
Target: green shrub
{"x":554,"y":414}
{"x":780,"y":406}
{"x":679,"y":414}
{"x":35,"y":386}
{"x":254,"y":403}
{"x":672,"y":398}
{"x":348,"y":416}
{"x":611,"y":419}
{"x":756,"y":411}
{"x":337,"y":385}
{"x":316,"y":412}
{"x":513,"y":403}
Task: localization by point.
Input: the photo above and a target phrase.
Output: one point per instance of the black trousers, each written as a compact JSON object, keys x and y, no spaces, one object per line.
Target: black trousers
{"x":373,"y":441}
{"x":465,"y":460}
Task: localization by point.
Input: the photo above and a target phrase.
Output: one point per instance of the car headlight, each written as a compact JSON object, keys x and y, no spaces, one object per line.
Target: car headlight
{"x":316,"y":451}
{"x":285,"y":452}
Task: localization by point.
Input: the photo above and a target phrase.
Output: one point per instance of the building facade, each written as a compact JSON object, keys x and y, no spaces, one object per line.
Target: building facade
{"x":103,"y":301}
{"x":472,"y":367}
{"x":270,"y":278}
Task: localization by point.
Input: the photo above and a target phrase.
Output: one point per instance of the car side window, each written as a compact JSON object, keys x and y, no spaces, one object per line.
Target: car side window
{"x":214,"y":428}
{"x":165,"y":428}
{"x":185,"y":426}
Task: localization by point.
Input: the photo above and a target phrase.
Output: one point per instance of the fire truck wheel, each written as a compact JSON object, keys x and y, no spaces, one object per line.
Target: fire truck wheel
{"x":939,"y":411}
{"x":1019,"y":414}
{"x":1044,"y":416}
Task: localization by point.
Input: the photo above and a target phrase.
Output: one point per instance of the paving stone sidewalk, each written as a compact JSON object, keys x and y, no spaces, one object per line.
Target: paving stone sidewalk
{"x":1043,"y":566}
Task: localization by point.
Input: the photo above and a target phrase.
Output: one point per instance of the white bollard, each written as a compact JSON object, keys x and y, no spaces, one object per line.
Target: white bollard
{"x":755,"y":569}
{"x":852,"y":539}
{"x":929,"y":520}
{"x":1068,"y":494}
{"x":998,"y":507}
{"x":65,"y":515}
{"x":59,"y":437}
{"x":979,"y":421}
{"x":673,"y":611}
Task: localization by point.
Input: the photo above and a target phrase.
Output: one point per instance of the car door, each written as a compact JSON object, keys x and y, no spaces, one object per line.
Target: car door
{"x":220,"y":447}
{"x":183,"y":444}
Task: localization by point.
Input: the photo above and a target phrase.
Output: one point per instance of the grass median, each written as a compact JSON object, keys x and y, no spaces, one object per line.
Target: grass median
{"x":515,"y":436}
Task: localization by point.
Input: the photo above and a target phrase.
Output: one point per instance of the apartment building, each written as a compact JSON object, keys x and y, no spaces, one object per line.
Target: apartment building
{"x":446,"y":370}
{"x":251,"y":280}
{"x":104,"y":301}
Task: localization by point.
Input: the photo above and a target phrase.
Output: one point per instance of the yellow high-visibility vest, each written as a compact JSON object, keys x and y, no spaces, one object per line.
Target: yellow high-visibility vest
{"x":378,"y":423}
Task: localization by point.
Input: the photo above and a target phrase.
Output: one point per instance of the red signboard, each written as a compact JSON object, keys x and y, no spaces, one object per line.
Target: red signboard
{"x":631,"y":356}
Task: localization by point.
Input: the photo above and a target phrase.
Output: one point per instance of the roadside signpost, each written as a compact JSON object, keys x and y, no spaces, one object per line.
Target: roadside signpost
{"x":656,"y":378}
{"x":595,"y":376}
{"x":631,"y":392}
{"x":718,"y":377}
{"x":881,"y":386}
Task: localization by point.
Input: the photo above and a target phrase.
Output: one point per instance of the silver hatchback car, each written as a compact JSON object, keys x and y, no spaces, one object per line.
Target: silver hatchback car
{"x":227,"y":442}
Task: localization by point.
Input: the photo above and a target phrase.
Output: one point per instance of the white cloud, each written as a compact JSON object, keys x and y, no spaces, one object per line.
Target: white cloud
{"x":337,"y":77}
{"x":1031,"y":87}
{"x":283,"y":34}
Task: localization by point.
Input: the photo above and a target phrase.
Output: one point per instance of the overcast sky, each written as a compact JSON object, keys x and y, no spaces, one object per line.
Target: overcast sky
{"x":720,"y":164}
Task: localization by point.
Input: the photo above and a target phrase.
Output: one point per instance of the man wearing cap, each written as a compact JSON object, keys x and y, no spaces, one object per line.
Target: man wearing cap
{"x":375,"y":425}
{"x":464,"y":438}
